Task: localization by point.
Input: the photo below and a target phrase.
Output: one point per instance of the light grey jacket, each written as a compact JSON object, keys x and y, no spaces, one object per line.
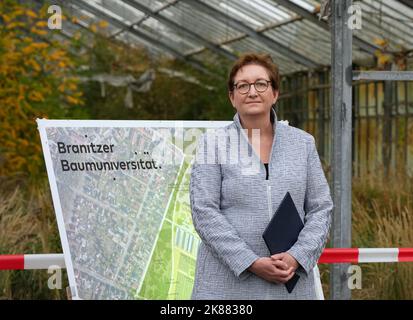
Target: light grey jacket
{"x":231,"y":208}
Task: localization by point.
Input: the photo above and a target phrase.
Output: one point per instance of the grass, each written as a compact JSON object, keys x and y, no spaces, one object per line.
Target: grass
{"x":28,"y":225}
{"x":382,"y":217}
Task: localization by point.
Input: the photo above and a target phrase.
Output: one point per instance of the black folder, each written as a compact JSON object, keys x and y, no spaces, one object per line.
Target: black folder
{"x":282,"y":232}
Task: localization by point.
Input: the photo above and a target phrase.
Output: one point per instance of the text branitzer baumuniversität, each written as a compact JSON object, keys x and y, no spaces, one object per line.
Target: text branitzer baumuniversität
{"x":99,"y":165}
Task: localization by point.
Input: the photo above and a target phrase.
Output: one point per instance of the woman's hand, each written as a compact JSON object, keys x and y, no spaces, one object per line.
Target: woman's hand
{"x":288,"y":259}
{"x":276,"y":271}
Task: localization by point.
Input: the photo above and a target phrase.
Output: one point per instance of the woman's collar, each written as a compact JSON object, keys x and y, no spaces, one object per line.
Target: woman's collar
{"x":273,"y":119}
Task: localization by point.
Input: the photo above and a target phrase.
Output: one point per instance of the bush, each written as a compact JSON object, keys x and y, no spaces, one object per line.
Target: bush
{"x":36,"y":81}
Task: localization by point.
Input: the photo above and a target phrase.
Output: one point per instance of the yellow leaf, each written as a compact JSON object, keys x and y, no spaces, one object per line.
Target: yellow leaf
{"x":380,"y":42}
{"x":383,"y":59}
{"x":34,"y":46}
{"x":41,"y":24}
{"x":38,"y":31}
{"x":18,"y":12}
{"x":31,"y":13}
{"x":24,"y":143}
{"x":72,"y":86}
{"x":5,"y":17}
{"x":28,"y":50}
{"x":73,"y":100}
{"x":36,"y":96}
{"x":103,"y":24}
{"x":34,"y":64}
{"x":56,"y":55}
{"x":15,"y":25}
{"x":40,"y":45}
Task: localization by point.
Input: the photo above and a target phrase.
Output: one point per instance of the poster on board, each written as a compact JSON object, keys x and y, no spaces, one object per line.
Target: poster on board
{"x":121,"y":198}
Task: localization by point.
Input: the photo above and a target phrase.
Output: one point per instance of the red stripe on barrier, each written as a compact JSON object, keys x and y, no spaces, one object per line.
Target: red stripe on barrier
{"x":330,"y":255}
{"x":405,"y":255}
{"x":12,"y":262}
{"x":340,"y":255}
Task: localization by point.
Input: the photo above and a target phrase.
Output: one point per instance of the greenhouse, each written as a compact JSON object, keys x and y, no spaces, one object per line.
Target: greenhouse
{"x":346,"y":78}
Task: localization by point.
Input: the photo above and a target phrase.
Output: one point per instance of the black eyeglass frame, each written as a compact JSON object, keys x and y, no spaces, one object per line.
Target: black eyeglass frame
{"x":250,"y":84}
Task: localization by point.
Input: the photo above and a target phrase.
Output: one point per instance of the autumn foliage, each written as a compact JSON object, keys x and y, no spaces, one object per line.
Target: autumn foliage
{"x":36,"y":81}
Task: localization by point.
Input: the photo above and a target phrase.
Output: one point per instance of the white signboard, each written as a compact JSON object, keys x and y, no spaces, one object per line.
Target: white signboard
{"x":120,"y":193}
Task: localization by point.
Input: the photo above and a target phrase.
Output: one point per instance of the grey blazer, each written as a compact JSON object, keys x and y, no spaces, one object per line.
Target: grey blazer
{"x":231,"y":205}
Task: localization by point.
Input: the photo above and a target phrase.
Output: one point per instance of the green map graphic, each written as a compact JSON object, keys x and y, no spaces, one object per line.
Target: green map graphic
{"x":172,"y":268}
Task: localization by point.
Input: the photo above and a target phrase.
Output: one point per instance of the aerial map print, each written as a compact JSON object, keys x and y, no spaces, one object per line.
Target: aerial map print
{"x":126,"y":209}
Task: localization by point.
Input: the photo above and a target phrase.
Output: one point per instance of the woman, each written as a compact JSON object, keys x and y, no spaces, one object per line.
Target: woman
{"x":231,"y":208}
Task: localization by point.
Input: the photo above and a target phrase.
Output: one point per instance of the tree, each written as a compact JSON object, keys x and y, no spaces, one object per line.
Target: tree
{"x":36,"y":81}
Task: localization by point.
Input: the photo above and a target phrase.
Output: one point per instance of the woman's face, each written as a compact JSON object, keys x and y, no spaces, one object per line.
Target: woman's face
{"x":253,"y":102}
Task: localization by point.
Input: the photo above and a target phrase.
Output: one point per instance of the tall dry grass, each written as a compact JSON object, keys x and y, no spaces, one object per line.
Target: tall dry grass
{"x":382,"y":217}
{"x":27,"y":225}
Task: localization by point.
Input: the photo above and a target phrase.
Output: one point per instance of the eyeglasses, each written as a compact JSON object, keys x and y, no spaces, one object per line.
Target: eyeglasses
{"x":244,"y":87}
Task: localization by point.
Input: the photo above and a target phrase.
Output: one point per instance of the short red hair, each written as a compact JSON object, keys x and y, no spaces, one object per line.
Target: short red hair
{"x":263,"y":60}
